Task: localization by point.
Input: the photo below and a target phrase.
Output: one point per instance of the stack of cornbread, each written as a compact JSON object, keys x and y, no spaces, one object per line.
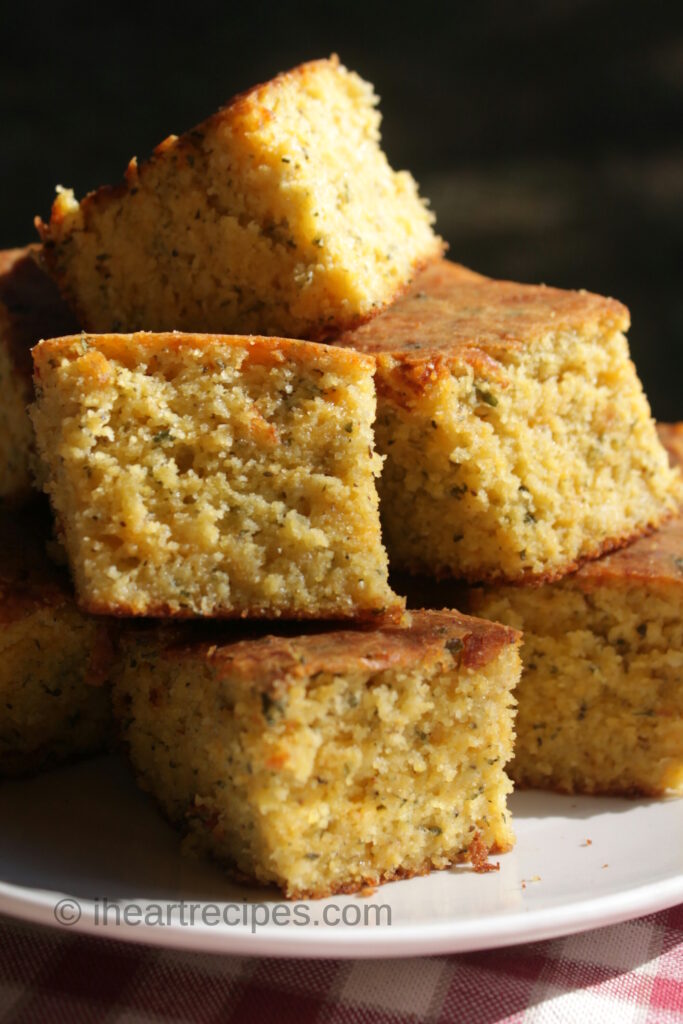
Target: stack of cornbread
{"x":272,"y":359}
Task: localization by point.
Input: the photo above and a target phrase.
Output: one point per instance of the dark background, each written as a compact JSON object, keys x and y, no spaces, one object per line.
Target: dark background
{"x":548,"y":135}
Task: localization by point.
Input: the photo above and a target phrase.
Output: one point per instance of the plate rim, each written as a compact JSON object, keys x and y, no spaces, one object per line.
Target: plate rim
{"x":36,"y":906}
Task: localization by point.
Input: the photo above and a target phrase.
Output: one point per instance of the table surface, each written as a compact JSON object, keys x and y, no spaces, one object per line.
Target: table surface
{"x":631,"y":972}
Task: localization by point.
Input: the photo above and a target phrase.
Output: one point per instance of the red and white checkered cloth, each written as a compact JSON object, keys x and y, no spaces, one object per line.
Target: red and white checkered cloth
{"x":630,"y":973}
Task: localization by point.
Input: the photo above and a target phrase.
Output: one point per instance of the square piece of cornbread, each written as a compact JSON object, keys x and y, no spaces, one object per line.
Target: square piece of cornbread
{"x":210,"y":475}
{"x":601,"y":695}
{"x":518,"y":440}
{"x":30,"y":309}
{"x":278,"y":215}
{"x":330,"y":761}
{"x":52,"y":658}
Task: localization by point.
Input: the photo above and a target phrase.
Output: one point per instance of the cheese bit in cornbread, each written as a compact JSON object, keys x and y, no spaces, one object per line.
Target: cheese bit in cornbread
{"x":518,"y":439}
{"x":328,"y":762}
{"x":30,"y":309}
{"x":278,"y":215}
{"x":52,"y":704}
{"x":208,"y":475}
{"x":601,"y":696}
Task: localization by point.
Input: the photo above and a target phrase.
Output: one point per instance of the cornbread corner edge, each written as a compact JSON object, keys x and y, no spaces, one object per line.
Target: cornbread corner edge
{"x":519,"y":443}
{"x":600,"y":701}
{"x":204,"y":475}
{"x":327,"y":762}
{"x":277,"y":215}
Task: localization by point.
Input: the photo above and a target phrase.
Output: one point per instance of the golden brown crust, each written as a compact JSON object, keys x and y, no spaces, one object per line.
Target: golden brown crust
{"x":144,"y":346}
{"x":476,"y":853}
{"x":242,"y":113}
{"x":234,"y":113}
{"x":326,"y":332}
{"x":422,"y":638}
{"x":391,"y":613}
{"x":529,"y":578}
{"x":654,"y":558}
{"x":33,"y":305}
{"x":451,"y":314}
{"x":251,"y":99}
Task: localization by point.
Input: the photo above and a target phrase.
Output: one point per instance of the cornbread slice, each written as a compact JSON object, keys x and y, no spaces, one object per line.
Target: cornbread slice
{"x":208,"y":475}
{"x":330,"y":761}
{"x":52,"y":658}
{"x":277,"y":215}
{"x":601,"y":696}
{"x":519,"y":442}
{"x":30,"y":309}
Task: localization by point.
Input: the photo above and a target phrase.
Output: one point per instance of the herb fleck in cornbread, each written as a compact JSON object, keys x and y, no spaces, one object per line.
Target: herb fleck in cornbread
{"x":51,"y":657}
{"x":519,"y":442}
{"x":278,"y":215}
{"x":330,"y":761}
{"x":208,"y":475}
{"x":30,"y":309}
{"x":601,"y":695}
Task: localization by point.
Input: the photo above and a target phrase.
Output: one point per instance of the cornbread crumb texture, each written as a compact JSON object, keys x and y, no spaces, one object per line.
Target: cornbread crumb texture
{"x":30,"y":308}
{"x":655,"y":560}
{"x":601,"y":695}
{"x":331,"y":761}
{"x":51,"y":657}
{"x":278,"y":215}
{"x":208,"y":475}
{"x":519,"y":442}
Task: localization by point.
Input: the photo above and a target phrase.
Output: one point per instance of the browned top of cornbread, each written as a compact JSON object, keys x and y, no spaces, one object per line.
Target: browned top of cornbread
{"x":28,"y":579}
{"x":33,"y":305}
{"x":245,"y":113}
{"x":249,"y":103}
{"x":143,"y":347}
{"x":422,"y":638}
{"x":657,"y":558}
{"x":242,"y":112}
{"x":450,"y":313}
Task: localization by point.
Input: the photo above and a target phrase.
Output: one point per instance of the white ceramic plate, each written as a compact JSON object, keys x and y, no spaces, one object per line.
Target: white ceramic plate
{"x":84,"y":834}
